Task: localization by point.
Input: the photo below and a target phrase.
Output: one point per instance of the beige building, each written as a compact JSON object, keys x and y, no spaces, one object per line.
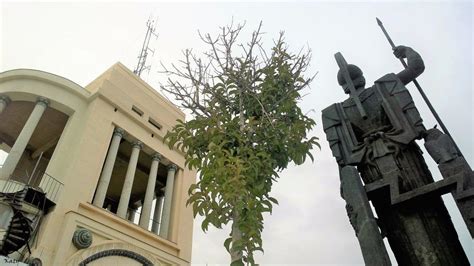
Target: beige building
{"x":88,"y":179}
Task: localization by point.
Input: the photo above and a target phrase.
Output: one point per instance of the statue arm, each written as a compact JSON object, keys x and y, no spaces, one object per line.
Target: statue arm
{"x":415,"y":65}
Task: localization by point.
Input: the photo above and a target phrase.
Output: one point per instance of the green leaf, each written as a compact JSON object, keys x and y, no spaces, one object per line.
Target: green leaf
{"x":227,"y":243}
{"x":205,"y":225}
{"x":237,"y":263}
{"x":273,"y":200}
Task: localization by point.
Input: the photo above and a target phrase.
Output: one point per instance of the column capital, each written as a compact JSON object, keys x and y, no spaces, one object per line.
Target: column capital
{"x":172,"y":167}
{"x":137,"y":144}
{"x":119,"y":132}
{"x":159,"y":193}
{"x":5,"y":99}
{"x":156,"y":156}
{"x":135,"y":205}
{"x":43,"y":101}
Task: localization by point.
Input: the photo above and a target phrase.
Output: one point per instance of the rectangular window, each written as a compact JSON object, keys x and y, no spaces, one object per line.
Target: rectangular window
{"x":154,"y":123}
{"x":137,"y":110}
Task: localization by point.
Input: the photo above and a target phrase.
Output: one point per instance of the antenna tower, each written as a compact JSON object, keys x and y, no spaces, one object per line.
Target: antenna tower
{"x":151,"y":27}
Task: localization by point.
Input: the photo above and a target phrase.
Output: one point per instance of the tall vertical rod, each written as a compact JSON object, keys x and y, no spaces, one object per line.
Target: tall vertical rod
{"x":417,"y":85}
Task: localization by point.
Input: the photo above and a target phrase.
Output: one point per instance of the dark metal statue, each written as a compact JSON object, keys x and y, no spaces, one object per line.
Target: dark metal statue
{"x":372,"y":136}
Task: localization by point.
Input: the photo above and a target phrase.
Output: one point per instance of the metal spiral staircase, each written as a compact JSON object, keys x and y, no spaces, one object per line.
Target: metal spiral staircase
{"x":20,"y":227}
{"x":23,"y":208}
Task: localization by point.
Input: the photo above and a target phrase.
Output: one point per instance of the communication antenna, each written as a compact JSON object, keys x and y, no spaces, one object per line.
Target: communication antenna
{"x":150,"y":32}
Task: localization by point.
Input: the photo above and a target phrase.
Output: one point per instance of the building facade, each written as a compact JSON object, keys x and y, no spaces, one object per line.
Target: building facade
{"x":87,"y":179}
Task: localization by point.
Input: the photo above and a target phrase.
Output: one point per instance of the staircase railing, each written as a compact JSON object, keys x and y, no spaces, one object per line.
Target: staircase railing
{"x":49,"y":185}
{"x":11,"y":186}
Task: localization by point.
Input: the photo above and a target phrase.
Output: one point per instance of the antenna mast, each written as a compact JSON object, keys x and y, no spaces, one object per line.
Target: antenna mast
{"x":151,"y":27}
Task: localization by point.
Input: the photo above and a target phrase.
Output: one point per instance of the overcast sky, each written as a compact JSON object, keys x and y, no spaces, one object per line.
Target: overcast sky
{"x":79,"y":41}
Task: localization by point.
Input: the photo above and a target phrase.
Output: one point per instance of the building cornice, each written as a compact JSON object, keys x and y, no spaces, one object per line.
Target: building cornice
{"x":46,"y":77}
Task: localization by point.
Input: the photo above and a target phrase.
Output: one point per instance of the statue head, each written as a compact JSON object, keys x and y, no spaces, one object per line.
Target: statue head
{"x":356,"y":75}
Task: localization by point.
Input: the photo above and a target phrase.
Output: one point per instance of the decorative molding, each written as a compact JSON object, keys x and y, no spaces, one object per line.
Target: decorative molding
{"x":156,"y":156}
{"x":119,"y":132}
{"x":137,"y":144}
{"x":34,"y":262}
{"x":43,"y":101}
{"x":46,"y":77}
{"x":82,"y":238}
{"x":172,"y":167}
{"x":117,"y":252}
{"x":5,"y":99}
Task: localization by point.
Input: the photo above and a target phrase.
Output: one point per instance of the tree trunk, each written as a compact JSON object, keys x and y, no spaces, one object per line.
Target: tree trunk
{"x":236,"y":235}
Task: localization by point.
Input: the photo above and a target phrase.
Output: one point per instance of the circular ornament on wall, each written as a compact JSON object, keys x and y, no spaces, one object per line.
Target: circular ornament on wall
{"x":34,"y":262}
{"x":82,"y":238}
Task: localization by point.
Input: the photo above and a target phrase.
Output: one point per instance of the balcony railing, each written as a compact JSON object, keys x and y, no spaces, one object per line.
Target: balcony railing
{"x":11,"y":186}
{"x":49,"y":185}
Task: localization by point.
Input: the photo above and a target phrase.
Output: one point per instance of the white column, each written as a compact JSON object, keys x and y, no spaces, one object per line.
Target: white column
{"x":4,"y":101}
{"x":23,"y":139}
{"x":128,"y":183}
{"x":166,"y":216}
{"x":133,"y":211}
{"x":150,"y":191}
{"x":156,"y":215}
{"x":131,"y":215}
{"x":104,"y":179}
